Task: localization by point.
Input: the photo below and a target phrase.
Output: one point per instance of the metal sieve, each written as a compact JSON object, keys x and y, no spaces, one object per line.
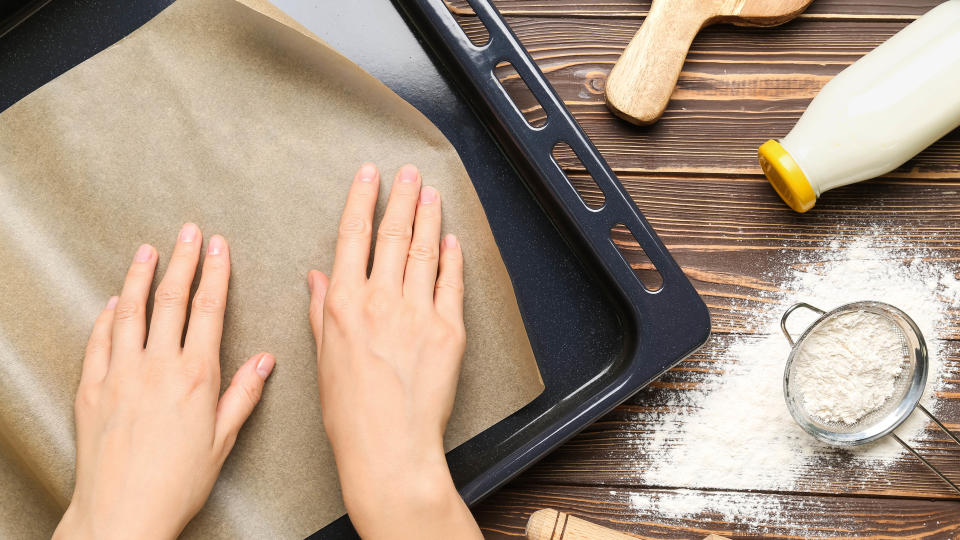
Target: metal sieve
{"x":908,"y":386}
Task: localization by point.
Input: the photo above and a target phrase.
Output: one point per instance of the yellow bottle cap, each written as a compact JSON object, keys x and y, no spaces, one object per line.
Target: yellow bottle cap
{"x":786,"y":177}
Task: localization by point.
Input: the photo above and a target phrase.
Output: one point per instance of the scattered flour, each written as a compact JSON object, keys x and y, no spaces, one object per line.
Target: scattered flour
{"x":733,"y":431}
{"x":848,"y":367}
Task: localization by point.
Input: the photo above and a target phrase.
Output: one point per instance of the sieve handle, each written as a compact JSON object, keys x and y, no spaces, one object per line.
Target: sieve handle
{"x":791,"y":309}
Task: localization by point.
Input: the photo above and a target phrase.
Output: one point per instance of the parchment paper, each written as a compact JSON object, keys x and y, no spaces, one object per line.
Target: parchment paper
{"x":217,"y":113}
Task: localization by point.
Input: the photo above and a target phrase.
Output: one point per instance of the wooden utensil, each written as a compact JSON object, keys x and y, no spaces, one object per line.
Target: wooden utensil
{"x":640,"y":84}
{"x":549,"y":524}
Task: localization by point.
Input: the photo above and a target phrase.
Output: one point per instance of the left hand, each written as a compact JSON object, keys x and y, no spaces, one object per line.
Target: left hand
{"x":152,"y":434}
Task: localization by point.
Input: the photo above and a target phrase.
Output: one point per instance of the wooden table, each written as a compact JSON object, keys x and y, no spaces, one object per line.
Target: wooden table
{"x":694,"y":175}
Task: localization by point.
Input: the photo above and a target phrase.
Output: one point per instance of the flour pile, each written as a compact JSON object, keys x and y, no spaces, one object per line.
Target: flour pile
{"x":733,"y":432}
{"x":848,"y":367}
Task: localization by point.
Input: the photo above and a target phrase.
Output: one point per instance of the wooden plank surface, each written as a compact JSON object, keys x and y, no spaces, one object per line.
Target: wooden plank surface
{"x":695,"y":177}
{"x":643,"y":514}
{"x":727,"y":232}
{"x":835,"y":9}
{"x":611,"y":452}
{"x":739,"y":87}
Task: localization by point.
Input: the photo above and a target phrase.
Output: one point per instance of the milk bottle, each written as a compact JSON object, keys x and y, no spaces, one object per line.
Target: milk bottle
{"x":875,"y":115}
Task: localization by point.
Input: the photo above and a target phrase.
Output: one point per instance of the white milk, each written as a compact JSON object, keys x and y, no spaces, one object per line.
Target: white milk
{"x":876,"y":114}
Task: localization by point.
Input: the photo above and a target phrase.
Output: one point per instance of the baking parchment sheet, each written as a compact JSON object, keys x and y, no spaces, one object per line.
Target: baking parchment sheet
{"x":232,"y":116}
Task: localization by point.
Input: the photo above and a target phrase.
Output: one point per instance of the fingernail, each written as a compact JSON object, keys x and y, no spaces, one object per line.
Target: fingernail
{"x":216,"y":245}
{"x":408,"y":174}
{"x":310,"y":279}
{"x":265,"y":366}
{"x":428,"y":195}
{"x":144,"y":252}
{"x":450,"y":241}
{"x":188,"y":233}
{"x":112,"y":302}
{"x":368,"y":172}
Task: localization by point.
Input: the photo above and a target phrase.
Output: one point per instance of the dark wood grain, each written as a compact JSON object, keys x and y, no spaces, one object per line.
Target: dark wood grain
{"x":835,"y":9}
{"x":695,"y":177}
{"x":739,"y":87}
{"x":737,"y":241}
{"x":611,"y":452}
{"x":637,"y":512}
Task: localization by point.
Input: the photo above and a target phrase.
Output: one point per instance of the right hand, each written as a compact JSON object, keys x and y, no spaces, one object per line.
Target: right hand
{"x":389,"y":348}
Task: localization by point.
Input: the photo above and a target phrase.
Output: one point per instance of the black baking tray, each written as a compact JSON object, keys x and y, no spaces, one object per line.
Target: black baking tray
{"x":598,"y":334}
{"x":14,"y":12}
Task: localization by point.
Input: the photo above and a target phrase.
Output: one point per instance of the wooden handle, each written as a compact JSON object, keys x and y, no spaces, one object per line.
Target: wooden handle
{"x":640,"y":84}
{"x":549,"y":524}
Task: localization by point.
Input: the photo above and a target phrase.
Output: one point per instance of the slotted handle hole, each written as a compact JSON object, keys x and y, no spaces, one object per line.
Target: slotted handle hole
{"x":471,"y":25}
{"x":636,"y":257}
{"x":582,"y":182}
{"x":518,"y":92}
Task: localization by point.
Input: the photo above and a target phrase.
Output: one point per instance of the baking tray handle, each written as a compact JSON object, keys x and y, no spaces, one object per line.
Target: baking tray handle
{"x":587,"y":227}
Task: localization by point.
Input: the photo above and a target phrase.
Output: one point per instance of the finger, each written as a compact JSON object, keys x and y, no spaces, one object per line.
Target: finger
{"x":396,"y":229}
{"x":240,"y":398}
{"x":206,"y":315}
{"x":173,"y":292}
{"x":449,"y":290}
{"x":356,"y":224}
{"x":420,"y":274}
{"x":129,"y":319}
{"x":96,"y":361}
{"x":318,"y":283}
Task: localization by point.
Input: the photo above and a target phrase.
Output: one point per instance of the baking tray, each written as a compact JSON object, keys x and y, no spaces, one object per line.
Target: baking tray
{"x":14,"y":12}
{"x":597,"y":333}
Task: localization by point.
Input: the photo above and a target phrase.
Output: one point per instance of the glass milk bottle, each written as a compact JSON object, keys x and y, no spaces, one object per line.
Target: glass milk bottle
{"x":875,"y":115}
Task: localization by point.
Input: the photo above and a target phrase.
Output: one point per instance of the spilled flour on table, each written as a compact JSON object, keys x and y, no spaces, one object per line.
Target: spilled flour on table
{"x":733,"y":432}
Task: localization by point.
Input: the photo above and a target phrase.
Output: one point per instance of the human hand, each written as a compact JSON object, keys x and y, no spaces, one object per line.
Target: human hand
{"x":389,"y":349}
{"x":151,"y":432}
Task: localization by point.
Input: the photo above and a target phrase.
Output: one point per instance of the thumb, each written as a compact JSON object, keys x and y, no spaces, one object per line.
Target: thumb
{"x":318,"y":282}
{"x":240,"y":398}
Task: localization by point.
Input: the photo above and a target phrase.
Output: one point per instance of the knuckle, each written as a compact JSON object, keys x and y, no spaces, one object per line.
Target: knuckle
{"x":337,"y":303}
{"x":97,"y":346}
{"x":394,"y":231}
{"x":460,"y":334}
{"x":126,"y":310}
{"x":196,"y":376}
{"x":207,"y":303}
{"x":454,"y":336}
{"x":450,"y":285}
{"x":229,"y":439}
{"x":424,"y":252}
{"x":140,"y":271}
{"x":184,"y":252}
{"x":115,"y":394}
{"x":377,"y":303}
{"x":86,"y":399}
{"x":251,"y":392}
{"x":363,"y":191}
{"x":216,"y":264}
{"x":354,"y":226}
{"x":453,"y":259}
{"x":170,"y":297}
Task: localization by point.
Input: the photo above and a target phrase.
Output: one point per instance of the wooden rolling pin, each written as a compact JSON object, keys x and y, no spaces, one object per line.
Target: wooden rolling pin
{"x":549,"y":524}
{"x":640,"y":84}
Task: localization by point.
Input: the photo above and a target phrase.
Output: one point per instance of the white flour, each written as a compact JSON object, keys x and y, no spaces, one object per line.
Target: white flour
{"x":733,"y":431}
{"x":848,"y":367}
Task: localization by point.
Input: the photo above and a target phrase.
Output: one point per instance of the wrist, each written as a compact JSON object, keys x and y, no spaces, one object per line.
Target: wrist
{"x":78,"y":523}
{"x":410,"y":482}
{"x":415,"y":490}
